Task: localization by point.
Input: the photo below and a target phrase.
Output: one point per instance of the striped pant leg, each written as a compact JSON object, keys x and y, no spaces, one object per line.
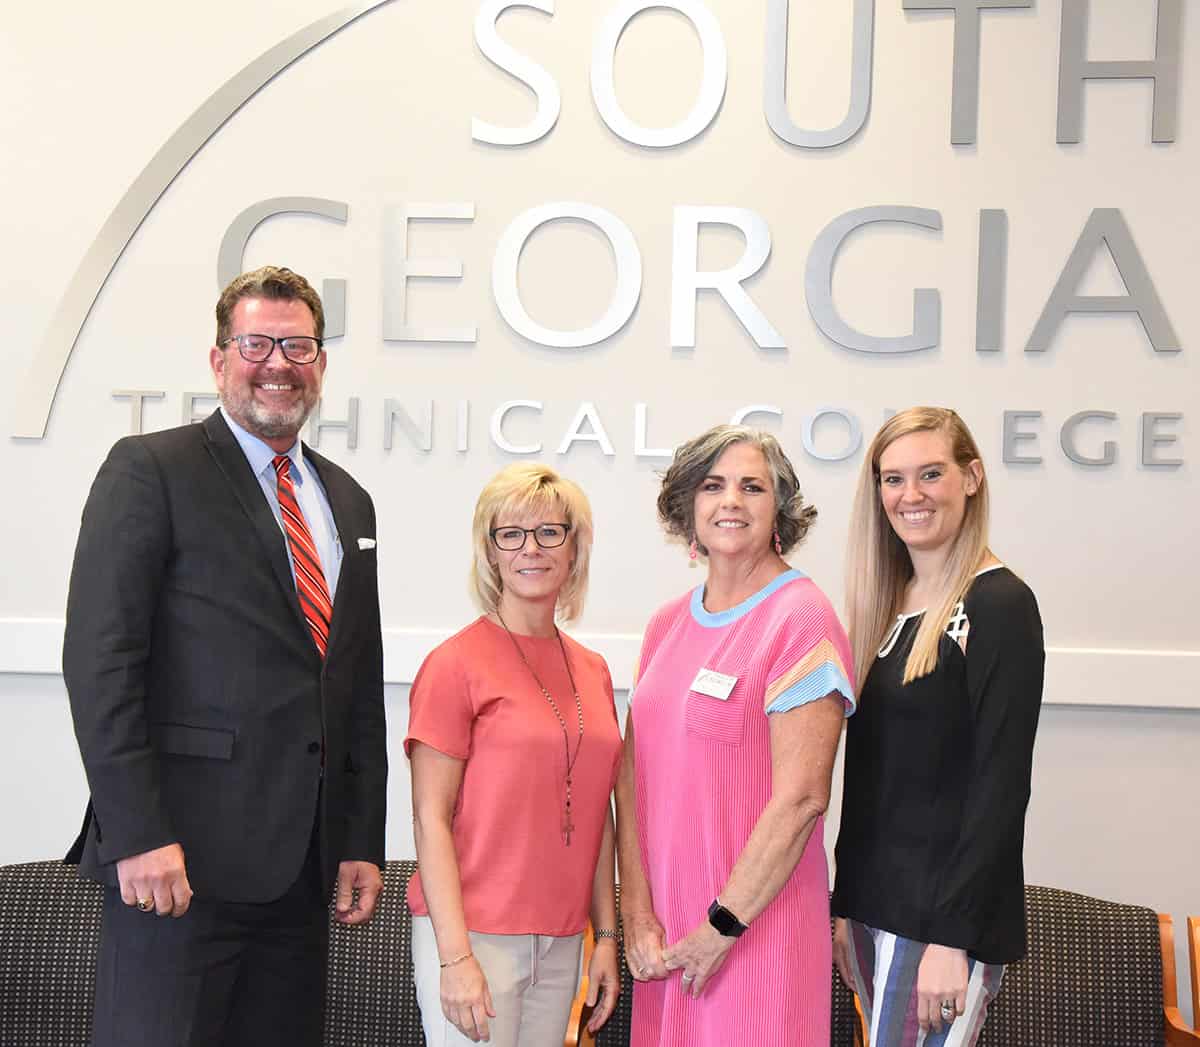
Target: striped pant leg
{"x":885,"y":968}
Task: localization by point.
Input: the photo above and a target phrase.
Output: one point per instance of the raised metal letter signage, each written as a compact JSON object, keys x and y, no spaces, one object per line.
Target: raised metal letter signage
{"x":41,"y":383}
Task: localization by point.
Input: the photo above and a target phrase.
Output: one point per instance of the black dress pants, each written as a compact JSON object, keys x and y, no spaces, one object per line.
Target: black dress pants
{"x":225,"y":974}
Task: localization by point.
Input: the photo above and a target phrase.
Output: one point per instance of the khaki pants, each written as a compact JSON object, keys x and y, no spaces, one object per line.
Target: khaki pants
{"x":533,"y":979}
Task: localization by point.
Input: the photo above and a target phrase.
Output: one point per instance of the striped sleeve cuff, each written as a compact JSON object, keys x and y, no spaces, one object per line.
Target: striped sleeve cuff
{"x":818,"y":673}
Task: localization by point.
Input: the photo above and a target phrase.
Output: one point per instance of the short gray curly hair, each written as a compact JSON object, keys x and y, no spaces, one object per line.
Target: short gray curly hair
{"x":694,"y":461}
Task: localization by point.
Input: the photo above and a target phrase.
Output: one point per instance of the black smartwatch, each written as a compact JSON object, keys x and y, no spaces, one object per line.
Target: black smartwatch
{"x":724,"y":922}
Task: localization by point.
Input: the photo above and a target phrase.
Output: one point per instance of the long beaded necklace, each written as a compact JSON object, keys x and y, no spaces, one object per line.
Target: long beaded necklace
{"x":568,"y":824}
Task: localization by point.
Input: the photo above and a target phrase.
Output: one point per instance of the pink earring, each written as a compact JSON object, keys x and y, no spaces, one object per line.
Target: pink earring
{"x":693,"y":552}
{"x":778,"y":543}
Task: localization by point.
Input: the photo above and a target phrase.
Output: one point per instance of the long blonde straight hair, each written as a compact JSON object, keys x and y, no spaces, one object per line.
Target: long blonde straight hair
{"x":878,"y":566}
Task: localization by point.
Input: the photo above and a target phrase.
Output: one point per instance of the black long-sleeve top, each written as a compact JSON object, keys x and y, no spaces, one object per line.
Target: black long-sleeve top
{"x":937,"y":779}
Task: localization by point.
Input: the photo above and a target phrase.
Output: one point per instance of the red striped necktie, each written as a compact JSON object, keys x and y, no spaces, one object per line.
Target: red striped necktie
{"x":310,"y":579}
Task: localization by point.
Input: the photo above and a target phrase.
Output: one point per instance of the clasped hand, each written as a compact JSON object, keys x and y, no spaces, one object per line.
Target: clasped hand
{"x":644,"y":943}
{"x":697,"y":957}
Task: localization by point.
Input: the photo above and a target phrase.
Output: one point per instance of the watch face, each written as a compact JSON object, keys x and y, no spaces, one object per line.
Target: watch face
{"x":724,"y":922}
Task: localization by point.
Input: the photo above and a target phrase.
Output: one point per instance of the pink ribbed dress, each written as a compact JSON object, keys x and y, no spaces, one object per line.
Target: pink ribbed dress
{"x":703,"y":777}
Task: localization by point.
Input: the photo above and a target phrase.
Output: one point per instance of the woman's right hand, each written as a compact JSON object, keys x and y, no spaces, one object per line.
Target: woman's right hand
{"x":841,"y":951}
{"x":645,"y":940}
{"x":466,"y":999}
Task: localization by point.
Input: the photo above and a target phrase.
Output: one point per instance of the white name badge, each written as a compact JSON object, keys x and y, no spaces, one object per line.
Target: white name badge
{"x":713,"y":683}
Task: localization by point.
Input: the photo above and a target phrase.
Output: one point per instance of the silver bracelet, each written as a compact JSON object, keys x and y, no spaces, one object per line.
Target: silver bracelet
{"x":604,"y":932}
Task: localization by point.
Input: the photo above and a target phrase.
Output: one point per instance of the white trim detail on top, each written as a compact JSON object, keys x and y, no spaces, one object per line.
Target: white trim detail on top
{"x":1117,"y":677}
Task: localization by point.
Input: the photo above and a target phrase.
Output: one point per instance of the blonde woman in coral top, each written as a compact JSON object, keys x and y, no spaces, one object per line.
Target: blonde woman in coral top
{"x":514,"y":748}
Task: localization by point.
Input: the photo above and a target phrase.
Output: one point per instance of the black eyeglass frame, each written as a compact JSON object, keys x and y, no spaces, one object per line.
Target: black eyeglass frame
{"x":527,"y":531}
{"x":238,"y":339}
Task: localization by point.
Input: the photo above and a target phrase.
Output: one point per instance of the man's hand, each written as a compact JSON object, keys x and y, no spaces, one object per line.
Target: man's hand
{"x":156,"y":880}
{"x":363,"y":879}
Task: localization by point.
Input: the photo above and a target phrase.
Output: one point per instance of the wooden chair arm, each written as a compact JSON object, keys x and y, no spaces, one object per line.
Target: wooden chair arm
{"x":862,"y":1035}
{"x":577,"y":1033}
{"x":1177,"y":1032}
{"x":1166,"y":941}
{"x":1193,"y":926}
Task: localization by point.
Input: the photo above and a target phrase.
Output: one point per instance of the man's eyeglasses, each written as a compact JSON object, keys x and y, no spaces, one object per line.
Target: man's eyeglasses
{"x":547,"y":535}
{"x":257,"y":348}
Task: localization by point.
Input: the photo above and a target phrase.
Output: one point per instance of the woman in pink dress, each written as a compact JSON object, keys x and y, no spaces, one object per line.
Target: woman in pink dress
{"x":729,"y":747}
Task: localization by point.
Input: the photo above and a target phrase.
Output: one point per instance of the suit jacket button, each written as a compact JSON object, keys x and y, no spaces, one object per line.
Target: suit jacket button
{"x":314,"y":747}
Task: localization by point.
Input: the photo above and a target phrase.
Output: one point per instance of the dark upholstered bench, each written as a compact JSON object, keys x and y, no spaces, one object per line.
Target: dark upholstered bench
{"x":1098,"y":974}
{"x":50,"y":935}
{"x":49,"y":938}
{"x":370,"y":998}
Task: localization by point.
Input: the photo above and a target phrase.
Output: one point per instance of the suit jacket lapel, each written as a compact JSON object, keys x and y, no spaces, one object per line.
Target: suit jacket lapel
{"x":224,"y":448}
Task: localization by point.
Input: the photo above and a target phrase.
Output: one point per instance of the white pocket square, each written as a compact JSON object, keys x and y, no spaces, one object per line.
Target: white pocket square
{"x":366,"y":543}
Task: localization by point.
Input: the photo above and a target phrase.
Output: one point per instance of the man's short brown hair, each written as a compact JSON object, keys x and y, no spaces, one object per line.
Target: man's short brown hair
{"x":274,"y":283}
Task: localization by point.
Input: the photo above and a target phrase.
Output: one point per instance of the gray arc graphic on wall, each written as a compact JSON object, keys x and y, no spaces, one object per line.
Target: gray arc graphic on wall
{"x":50,"y":361}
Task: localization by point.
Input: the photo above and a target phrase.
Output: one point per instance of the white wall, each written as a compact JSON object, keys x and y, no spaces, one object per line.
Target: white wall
{"x":380,"y":115}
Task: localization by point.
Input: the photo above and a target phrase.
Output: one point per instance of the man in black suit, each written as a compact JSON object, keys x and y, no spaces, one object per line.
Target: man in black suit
{"x":224,"y":664}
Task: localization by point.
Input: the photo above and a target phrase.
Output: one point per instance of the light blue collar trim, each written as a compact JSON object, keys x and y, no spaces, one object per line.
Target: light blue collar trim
{"x":715,"y":621}
{"x":257,"y":453}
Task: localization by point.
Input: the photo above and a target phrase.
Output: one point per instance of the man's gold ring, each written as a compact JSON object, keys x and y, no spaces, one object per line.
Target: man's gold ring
{"x":145,"y":904}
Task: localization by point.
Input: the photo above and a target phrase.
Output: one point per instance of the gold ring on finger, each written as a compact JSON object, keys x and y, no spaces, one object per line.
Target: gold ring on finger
{"x":145,"y":904}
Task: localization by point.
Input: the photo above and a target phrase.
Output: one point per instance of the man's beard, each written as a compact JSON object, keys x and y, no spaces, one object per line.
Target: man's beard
{"x":271,"y":424}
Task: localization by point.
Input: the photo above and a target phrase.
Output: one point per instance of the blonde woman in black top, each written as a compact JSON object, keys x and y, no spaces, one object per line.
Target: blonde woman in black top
{"x":948,"y":648}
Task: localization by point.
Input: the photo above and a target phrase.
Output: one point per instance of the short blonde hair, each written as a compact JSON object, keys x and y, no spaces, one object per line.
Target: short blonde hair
{"x":530,"y":487}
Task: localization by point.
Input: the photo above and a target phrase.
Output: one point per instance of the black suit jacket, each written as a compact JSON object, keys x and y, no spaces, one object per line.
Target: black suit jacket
{"x":199,"y":699}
